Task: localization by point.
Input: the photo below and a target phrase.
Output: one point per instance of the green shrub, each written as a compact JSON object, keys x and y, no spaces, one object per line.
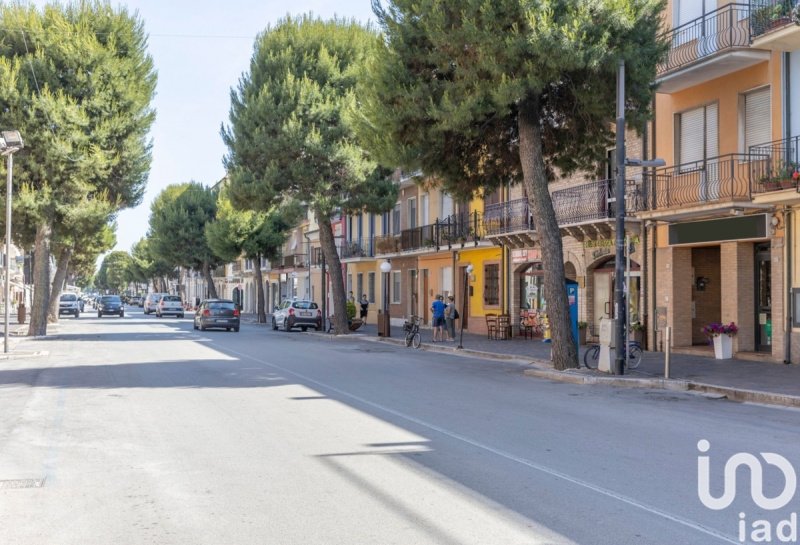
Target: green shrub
{"x":351,"y":310}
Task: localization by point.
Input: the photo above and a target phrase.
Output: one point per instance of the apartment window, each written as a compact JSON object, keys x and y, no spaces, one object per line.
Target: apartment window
{"x":360,"y":285}
{"x":698,"y":137}
{"x":611,"y":164}
{"x":371,"y":287}
{"x":491,"y":284}
{"x":412,"y":213}
{"x":396,"y":219}
{"x":349,"y":283}
{"x":492,"y":198}
{"x":396,"y":287}
{"x":754,"y":118}
{"x":424,"y":208}
{"x":447,"y":281}
{"x":447,"y":206}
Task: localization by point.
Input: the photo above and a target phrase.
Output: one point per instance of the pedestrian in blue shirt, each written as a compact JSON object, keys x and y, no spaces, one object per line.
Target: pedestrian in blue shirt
{"x":438,"y":307}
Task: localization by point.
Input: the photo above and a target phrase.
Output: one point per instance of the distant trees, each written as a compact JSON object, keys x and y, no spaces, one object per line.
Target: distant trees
{"x":114,"y":273}
{"x":78,"y":84}
{"x":178,"y":219}
{"x":481,"y":93}
{"x":288,"y":137}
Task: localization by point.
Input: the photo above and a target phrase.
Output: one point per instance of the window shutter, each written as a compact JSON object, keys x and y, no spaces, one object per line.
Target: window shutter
{"x":757,"y":113}
{"x":712,"y":131}
{"x":691,"y":137}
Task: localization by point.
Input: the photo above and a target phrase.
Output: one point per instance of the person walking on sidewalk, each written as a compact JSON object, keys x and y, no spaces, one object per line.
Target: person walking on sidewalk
{"x":450,"y":317}
{"x":438,"y":307}
{"x":364,"y":308}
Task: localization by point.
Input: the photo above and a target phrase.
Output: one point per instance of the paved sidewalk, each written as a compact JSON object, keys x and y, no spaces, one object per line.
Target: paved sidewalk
{"x":743,"y":380}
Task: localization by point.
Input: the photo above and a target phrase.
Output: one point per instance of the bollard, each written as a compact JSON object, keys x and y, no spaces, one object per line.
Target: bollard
{"x":667,"y":352}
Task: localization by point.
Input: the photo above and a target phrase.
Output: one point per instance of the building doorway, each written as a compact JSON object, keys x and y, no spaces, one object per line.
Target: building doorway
{"x":763,"y":298}
{"x":604,"y":284}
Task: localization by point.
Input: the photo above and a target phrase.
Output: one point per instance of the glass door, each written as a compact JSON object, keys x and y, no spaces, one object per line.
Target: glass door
{"x":763,"y":299}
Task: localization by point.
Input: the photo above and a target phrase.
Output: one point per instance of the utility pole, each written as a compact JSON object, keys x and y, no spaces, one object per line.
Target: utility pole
{"x":619,"y":197}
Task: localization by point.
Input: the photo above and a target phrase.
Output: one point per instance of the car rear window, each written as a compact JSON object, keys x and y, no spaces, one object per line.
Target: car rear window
{"x":69,"y":297}
{"x":172,"y":298}
{"x":305,"y":305}
{"x":221,"y":305}
{"x":110,"y":299}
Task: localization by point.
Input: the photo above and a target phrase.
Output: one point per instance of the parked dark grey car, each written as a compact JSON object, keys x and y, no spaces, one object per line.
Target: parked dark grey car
{"x":217,"y":313}
{"x":110,"y":304}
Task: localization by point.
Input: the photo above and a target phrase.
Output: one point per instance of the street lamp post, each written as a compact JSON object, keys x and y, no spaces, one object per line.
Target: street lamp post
{"x":10,"y":143}
{"x":467,"y":272}
{"x":386,"y":268}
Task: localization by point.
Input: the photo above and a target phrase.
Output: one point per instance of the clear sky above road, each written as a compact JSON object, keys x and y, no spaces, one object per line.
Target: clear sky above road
{"x":200,"y":49}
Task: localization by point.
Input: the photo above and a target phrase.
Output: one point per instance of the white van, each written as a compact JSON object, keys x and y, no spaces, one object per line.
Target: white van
{"x":151,"y":301}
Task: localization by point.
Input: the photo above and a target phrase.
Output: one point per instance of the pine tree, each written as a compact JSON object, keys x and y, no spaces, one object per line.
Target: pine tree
{"x":482,"y":93}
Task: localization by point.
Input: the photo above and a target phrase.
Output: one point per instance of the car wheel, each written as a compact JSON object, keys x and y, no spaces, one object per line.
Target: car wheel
{"x":236,"y":330}
{"x":99,"y":314}
{"x":303,"y":329}
{"x":202,"y":327}
{"x":286,"y":326}
{"x":317,"y":327}
{"x":228,"y":329}
{"x":121,"y":314}
{"x":77,"y":314}
{"x":180,"y":315}
{"x":194,"y":325}
{"x":274,"y":325}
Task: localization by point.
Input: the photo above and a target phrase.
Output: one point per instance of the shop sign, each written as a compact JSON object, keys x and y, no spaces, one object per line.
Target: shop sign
{"x":600,"y":252}
{"x":607,"y":242}
{"x":526,"y":256}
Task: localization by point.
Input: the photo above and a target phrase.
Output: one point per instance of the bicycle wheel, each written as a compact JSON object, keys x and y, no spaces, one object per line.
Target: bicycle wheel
{"x":417,"y":340}
{"x":590,"y":356}
{"x":409,"y":337}
{"x":634,"y":356}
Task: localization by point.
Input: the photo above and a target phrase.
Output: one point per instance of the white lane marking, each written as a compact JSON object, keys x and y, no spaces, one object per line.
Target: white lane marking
{"x":544,"y":469}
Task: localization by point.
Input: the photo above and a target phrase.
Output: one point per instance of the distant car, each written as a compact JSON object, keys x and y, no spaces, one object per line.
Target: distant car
{"x":170,"y":305}
{"x":69,"y":304}
{"x":217,"y":313}
{"x":151,"y":301}
{"x":135,"y":301}
{"x":110,"y":304}
{"x":302,"y":314}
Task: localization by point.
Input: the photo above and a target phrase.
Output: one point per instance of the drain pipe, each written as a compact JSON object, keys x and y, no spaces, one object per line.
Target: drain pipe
{"x":787,"y":253}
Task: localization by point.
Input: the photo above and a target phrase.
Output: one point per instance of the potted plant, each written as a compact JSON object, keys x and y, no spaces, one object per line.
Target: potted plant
{"x":582,"y":329}
{"x":722,"y":337}
{"x":637,"y":332}
{"x":352,"y":321}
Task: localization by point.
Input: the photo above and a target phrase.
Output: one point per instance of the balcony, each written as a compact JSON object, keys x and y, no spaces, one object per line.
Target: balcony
{"x":588,"y":211}
{"x":357,"y":249}
{"x":775,"y":24}
{"x":707,"y":48}
{"x":453,"y":230}
{"x":721,"y":184}
{"x":782,"y":170}
{"x":292,"y":261}
{"x":510,"y":224}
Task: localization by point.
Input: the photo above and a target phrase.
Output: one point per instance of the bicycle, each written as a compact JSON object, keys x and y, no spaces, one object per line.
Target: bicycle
{"x":411,"y":329}
{"x":634,"y":356}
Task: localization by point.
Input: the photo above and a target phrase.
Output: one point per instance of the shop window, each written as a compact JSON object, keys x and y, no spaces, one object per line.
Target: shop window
{"x":491,"y":287}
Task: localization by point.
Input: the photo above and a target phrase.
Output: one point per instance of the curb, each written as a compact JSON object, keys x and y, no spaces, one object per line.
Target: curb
{"x":578,"y":377}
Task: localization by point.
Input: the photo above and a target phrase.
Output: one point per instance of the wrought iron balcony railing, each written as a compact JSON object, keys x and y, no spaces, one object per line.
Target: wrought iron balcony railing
{"x":782,"y":169}
{"x":455,"y":229}
{"x":507,"y":217}
{"x":361,"y":247}
{"x":727,"y":177}
{"x":717,"y":31}
{"x":594,"y":201}
{"x":768,"y":15}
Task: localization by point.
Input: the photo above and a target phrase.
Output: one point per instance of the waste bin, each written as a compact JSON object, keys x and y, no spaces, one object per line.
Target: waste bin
{"x":21,"y":313}
{"x":384,"y":324}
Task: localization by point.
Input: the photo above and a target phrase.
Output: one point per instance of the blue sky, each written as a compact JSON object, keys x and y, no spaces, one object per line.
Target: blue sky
{"x":200,"y":49}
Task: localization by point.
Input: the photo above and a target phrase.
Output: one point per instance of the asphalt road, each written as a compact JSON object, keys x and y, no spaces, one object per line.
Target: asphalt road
{"x":146,"y":431}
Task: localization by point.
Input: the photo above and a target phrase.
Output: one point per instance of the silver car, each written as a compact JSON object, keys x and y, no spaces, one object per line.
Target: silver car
{"x":69,"y":304}
{"x":170,"y":304}
{"x":302,"y":314}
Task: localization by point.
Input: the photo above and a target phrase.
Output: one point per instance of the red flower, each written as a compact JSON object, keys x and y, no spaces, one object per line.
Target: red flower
{"x":796,"y":173}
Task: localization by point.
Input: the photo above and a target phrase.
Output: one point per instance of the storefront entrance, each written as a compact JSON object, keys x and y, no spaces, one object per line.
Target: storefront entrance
{"x":763,"y":298}
{"x":603,"y":293}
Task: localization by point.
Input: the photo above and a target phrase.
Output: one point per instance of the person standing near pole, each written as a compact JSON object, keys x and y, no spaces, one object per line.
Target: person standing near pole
{"x":364,"y":308}
{"x":438,"y":307}
{"x":450,"y":317}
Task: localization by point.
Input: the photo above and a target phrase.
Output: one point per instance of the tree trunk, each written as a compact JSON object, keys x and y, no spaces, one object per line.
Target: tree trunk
{"x":260,"y":303}
{"x":41,"y":280}
{"x":565,"y":353}
{"x":62,"y":264}
{"x":212,"y":289}
{"x":328,"y":245}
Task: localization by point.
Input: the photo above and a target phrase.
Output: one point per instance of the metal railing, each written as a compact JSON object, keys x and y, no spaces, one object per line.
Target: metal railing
{"x":716,"y":31}
{"x":507,"y":217}
{"x":727,"y":177}
{"x":454,"y":229}
{"x":782,"y":169}
{"x":594,"y":201}
{"x":361,"y":247}
{"x":768,"y":15}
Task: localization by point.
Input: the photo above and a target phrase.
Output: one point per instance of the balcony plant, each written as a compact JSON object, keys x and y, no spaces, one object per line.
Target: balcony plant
{"x":796,"y":14}
{"x":773,"y":16}
{"x":721,"y":335}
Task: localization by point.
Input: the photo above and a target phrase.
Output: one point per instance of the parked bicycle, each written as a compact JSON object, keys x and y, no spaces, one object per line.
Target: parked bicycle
{"x":411,"y":329}
{"x":634,"y":358}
